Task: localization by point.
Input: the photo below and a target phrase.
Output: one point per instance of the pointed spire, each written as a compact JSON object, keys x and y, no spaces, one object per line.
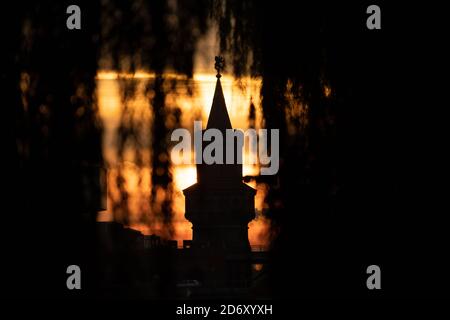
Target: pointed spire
{"x":218,"y":116}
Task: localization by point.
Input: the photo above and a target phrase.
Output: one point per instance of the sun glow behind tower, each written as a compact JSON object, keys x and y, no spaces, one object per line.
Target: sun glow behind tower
{"x":113,"y":108}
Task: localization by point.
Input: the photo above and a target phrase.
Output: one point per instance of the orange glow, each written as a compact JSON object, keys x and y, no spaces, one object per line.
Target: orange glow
{"x":327,"y":91}
{"x":194,"y":106}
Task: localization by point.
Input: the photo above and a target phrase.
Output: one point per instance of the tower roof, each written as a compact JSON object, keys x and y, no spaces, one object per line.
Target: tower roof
{"x":218,"y":116}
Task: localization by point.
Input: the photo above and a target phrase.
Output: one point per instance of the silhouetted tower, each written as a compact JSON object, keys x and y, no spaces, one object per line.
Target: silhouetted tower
{"x":220,"y":206}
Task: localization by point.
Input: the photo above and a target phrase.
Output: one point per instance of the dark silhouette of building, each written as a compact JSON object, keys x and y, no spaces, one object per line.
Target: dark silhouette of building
{"x":220,"y":206}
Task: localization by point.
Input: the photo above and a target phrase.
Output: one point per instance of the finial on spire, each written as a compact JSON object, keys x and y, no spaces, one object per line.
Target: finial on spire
{"x":219,"y":65}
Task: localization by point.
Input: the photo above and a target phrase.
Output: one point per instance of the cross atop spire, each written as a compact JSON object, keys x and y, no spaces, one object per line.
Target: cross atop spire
{"x":219,"y":65}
